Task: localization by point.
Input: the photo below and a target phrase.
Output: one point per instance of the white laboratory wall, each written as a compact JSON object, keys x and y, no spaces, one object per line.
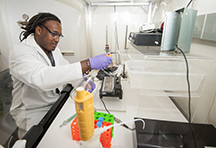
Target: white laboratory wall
{"x":5,"y":40}
{"x":203,"y":6}
{"x":116,"y":21}
{"x":68,"y":16}
{"x":206,"y":109}
{"x":117,"y":18}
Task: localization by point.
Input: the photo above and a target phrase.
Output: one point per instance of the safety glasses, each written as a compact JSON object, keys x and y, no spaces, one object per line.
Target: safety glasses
{"x":55,"y":35}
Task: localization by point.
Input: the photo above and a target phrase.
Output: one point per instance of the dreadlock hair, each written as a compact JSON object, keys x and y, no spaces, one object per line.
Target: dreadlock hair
{"x":35,"y":21}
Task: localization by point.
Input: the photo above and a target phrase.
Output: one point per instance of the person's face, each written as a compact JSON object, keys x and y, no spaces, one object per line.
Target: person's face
{"x":48,"y":34}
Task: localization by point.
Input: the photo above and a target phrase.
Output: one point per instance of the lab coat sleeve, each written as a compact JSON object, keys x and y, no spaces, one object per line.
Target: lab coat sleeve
{"x":31,"y":68}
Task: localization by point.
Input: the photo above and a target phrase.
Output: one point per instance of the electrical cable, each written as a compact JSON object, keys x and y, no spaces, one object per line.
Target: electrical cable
{"x":189,"y":3}
{"x":105,"y":106}
{"x":115,"y":118}
{"x":189,"y":95}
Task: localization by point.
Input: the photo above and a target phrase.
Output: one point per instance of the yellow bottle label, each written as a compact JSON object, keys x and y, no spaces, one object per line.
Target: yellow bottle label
{"x":84,"y":103}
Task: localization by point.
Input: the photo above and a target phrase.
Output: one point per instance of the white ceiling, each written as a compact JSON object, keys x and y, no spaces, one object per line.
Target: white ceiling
{"x":119,"y":2}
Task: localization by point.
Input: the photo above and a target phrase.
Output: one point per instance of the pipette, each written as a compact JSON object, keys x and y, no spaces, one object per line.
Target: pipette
{"x":68,"y":120}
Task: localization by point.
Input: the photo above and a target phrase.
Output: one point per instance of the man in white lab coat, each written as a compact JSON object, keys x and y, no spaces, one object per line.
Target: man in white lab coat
{"x":39,"y":70}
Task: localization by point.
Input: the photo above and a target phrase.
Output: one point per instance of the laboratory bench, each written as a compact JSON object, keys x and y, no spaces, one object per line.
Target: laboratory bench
{"x":130,"y":106}
{"x":164,"y":123}
{"x":158,"y":111}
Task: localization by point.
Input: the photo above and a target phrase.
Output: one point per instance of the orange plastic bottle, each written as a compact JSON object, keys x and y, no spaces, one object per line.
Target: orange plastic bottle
{"x":84,"y":103}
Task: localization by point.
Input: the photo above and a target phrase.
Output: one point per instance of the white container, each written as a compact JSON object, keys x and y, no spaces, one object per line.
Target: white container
{"x":162,"y":75}
{"x":125,"y":55}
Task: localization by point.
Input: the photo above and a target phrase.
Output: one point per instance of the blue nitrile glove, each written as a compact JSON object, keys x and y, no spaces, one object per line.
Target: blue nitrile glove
{"x":100,"y":61}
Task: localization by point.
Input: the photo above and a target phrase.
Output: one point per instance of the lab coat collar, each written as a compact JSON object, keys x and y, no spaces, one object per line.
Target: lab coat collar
{"x":31,"y":42}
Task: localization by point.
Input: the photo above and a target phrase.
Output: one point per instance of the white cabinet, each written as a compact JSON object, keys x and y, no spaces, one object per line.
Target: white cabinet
{"x":205,"y":27}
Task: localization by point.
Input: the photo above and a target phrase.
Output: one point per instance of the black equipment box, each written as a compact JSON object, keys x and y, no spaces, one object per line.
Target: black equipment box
{"x":146,"y":38}
{"x":111,"y":87}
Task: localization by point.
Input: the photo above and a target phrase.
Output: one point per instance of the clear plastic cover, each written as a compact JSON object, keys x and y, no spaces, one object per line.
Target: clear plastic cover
{"x":87,"y":82}
{"x":93,"y":21}
{"x":108,"y":24}
{"x":84,"y":23}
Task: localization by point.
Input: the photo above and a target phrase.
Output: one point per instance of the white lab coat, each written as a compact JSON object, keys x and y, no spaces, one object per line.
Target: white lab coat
{"x":34,"y":78}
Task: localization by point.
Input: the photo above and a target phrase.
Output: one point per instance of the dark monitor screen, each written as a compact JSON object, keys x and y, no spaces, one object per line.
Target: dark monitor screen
{"x":159,"y":133}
